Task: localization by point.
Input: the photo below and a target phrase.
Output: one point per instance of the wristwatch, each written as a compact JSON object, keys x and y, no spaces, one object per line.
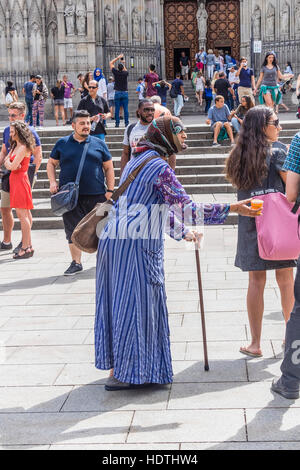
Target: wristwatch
{"x":109,"y":191}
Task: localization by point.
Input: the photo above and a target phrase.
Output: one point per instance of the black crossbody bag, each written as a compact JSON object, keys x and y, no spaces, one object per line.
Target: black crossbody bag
{"x":66,"y":198}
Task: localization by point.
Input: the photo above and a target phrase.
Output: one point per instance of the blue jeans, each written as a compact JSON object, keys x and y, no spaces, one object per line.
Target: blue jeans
{"x":121,"y":99}
{"x":28,"y":117}
{"x":178,"y":105}
{"x":100,"y":136}
{"x":207,"y":104}
{"x":236,"y":125}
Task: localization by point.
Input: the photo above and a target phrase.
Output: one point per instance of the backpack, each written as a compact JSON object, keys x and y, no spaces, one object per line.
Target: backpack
{"x":128,"y":132}
{"x":173,"y":92}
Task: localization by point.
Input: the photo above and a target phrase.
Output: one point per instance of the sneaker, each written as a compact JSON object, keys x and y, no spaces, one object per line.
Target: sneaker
{"x":5,"y":246}
{"x":216,"y":144}
{"x":277,"y":387}
{"x":17,"y":249}
{"x":74,"y":268}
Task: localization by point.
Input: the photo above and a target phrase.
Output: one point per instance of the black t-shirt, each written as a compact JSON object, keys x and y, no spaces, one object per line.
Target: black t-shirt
{"x":97,"y":106}
{"x":222,"y":86}
{"x":37,"y":95}
{"x":58,"y":93}
{"x":121,"y":79}
{"x":184,"y":61}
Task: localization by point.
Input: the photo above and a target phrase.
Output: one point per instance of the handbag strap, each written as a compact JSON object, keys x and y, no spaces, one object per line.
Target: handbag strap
{"x":82,"y":160}
{"x":131,"y":178}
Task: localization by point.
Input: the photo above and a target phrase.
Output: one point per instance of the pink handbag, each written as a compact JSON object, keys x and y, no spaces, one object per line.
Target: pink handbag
{"x":277,"y":228}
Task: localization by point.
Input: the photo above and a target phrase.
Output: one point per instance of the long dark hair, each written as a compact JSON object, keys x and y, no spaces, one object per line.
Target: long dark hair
{"x":274,"y":60}
{"x":249,"y":101}
{"x":24,"y":134}
{"x":246,"y":166}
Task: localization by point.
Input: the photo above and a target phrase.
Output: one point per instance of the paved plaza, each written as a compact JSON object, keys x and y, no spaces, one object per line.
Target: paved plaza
{"x":52,"y":397}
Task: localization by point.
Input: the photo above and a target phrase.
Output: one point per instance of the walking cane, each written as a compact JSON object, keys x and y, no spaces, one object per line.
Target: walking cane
{"x":197,"y":247}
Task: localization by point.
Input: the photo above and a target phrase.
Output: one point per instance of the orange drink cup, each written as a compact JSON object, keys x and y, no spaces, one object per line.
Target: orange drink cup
{"x":257,"y":204}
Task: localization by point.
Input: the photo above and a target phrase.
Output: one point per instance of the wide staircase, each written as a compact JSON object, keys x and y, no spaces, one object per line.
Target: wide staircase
{"x":200,"y":169}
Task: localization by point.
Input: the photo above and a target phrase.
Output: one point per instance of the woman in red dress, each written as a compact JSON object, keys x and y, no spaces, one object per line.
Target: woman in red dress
{"x":17,"y":161}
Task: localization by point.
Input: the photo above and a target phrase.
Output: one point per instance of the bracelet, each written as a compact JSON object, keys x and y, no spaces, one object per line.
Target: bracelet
{"x":109,"y":191}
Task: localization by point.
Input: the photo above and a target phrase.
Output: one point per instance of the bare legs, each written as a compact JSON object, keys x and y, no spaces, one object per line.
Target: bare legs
{"x":8,"y":224}
{"x":255,"y":302}
{"x":25,"y":218}
{"x":61,"y":110}
{"x":75,"y":253}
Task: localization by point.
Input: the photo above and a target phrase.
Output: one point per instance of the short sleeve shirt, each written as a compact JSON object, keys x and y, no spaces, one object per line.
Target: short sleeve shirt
{"x":151,"y":78}
{"x":292,"y":161}
{"x":218,"y":114}
{"x":97,"y":106}
{"x":121,"y":79}
{"x":68,"y":89}
{"x":222,"y":86}
{"x":28,"y":87}
{"x":7,"y":143}
{"x":245,"y":77}
{"x":138,"y":131}
{"x":68,"y":151}
{"x":177,"y":83}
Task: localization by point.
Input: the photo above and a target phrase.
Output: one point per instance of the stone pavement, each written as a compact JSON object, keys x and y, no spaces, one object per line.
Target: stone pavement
{"x":52,"y":397}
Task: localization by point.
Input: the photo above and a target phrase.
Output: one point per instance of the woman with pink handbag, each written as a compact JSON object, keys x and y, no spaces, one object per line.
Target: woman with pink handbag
{"x":254,"y":167}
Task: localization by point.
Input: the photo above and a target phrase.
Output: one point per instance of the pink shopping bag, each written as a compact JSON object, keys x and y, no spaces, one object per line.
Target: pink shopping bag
{"x":277,"y":228}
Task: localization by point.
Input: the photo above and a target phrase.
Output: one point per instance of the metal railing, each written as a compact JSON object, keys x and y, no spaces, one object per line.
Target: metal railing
{"x":19,"y":78}
{"x":137,"y":58}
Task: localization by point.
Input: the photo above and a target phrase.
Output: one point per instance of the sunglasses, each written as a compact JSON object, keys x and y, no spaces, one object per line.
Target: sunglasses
{"x":91,"y":87}
{"x":274,"y":123}
{"x":148,"y":110}
{"x":14,"y":115}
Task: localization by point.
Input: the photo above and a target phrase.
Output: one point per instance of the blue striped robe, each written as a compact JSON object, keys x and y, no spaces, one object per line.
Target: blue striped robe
{"x":131,"y":323}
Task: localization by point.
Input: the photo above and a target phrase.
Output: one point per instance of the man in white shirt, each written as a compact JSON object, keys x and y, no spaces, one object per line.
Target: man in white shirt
{"x":234,"y":82}
{"x":134,"y":132}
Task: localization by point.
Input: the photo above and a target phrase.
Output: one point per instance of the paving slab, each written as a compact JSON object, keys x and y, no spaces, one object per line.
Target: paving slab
{"x":33,"y":399}
{"x":225,"y":350}
{"x":220,"y":371}
{"x":225,"y":395}
{"x":26,"y":375}
{"x":241,"y":446}
{"x":96,"y":398}
{"x":65,"y":428}
{"x":274,"y":424}
{"x":177,"y":426}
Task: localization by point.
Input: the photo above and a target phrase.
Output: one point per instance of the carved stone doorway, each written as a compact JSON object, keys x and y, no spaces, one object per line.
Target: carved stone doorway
{"x":223,"y":28}
{"x":181,"y":31}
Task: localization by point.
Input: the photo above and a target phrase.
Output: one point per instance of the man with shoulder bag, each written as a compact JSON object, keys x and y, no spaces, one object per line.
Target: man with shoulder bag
{"x":289,"y":383}
{"x":86,"y":159}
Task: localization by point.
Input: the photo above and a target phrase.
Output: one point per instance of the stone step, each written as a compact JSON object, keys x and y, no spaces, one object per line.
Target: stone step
{"x":56,"y":223}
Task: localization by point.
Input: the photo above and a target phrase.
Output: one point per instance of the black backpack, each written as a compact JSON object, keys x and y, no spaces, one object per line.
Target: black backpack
{"x":173,"y":92}
{"x":128,"y":132}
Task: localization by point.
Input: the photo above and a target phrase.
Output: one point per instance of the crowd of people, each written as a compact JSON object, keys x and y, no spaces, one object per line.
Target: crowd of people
{"x":132,"y":337}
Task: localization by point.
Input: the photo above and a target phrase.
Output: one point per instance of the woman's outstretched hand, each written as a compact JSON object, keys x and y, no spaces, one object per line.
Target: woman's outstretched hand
{"x":193,"y":236}
{"x":242,"y":208}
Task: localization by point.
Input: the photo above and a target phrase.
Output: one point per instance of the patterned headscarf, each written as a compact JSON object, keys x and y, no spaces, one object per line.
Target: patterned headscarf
{"x":98,"y":77}
{"x":161,"y":136}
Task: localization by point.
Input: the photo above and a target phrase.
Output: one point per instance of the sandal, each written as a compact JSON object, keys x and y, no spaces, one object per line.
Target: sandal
{"x":249,"y":353}
{"x":26,"y":254}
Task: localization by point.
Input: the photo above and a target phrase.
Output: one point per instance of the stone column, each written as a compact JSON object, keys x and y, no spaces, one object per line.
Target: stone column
{"x":26,"y":42}
{"x":44,"y":46}
{"x":8,"y":42}
{"x":91,"y":34}
{"x":61,"y":38}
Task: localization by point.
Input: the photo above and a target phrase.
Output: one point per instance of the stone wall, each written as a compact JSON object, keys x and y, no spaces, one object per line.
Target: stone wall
{"x":58,"y":36}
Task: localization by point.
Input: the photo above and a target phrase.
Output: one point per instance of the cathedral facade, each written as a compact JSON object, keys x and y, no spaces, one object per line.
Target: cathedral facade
{"x":57,"y":36}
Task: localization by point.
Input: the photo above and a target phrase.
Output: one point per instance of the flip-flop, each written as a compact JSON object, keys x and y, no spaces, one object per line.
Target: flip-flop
{"x":249,"y":353}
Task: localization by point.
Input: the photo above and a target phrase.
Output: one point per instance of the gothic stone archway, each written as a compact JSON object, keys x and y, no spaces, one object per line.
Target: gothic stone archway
{"x":181,"y":31}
